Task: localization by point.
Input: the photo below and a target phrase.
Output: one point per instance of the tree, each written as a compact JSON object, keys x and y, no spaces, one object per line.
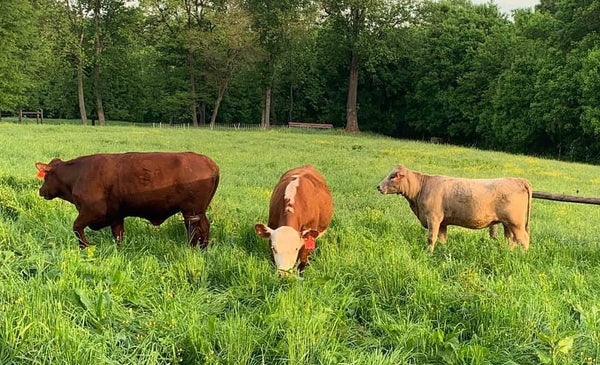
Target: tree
{"x":453,"y":62}
{"x":97,"y":52}
{"x":17,"y":41}
{"x":362,"y":24}
{"x":230,"y":46}
{"x":185,"y":21}
{"x":272,"y":20}
{"x":76,"y":14}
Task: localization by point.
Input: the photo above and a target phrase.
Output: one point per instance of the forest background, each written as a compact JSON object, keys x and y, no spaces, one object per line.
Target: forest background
{"x":524,"y":82}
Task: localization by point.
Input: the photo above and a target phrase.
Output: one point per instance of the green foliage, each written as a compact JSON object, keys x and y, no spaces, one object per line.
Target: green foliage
{"x":372,"y":294}
{"x":465,"y":72}
{"x":18,"y":42}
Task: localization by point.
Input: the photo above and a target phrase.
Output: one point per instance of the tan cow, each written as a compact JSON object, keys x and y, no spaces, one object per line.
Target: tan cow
{"x":440,"y":201}
{"x":300,"y":211}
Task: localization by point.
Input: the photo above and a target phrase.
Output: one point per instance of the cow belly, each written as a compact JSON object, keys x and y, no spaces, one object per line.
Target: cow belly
{"x":470,"y":215}
{"x":472,"y":222}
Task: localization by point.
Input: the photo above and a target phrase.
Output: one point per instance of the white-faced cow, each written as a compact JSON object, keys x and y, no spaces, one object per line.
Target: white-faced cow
{"x":106,"y":188}
{"x":440,"y":201}
{"x":300,"y":211}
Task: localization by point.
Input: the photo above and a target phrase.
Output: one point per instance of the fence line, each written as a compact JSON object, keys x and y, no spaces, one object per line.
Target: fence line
{"x":222,"y":126}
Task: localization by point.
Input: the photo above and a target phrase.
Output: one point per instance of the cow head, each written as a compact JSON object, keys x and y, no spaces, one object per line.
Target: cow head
{"x":51,"y":188}
{"x":286,"y":243}
{"x":397,"y":182}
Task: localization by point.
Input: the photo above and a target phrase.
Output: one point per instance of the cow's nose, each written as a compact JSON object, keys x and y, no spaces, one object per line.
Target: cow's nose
{"x":284,"y":273}
{"x":379,"y":188}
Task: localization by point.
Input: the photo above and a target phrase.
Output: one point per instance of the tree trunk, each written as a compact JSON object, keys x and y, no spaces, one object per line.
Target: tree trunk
{"x":265,"y":119}
{"x":215,"y":112}
{"x":194,"y":105}
{"x":80,"y":94}
{"x":291,"y":103}
{"x":80,"y":55}
{"x":202,"y":112}
{"x":273,"y":118}
{"x":99,"y":107}
{"x":351,"y":108}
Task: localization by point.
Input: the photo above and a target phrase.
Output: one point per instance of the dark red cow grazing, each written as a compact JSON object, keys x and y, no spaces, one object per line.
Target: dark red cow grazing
{"x":106,"y":188}
{"x":300,"y":211}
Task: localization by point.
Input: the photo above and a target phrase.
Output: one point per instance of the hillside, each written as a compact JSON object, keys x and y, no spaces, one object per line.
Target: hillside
{"x":372,"y":295}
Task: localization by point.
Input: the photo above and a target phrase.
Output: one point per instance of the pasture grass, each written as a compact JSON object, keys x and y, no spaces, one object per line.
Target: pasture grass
{"x":372,"y":295}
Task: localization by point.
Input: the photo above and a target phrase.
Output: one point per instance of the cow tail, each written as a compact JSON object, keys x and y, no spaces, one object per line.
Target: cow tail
{"x":529,"y":197}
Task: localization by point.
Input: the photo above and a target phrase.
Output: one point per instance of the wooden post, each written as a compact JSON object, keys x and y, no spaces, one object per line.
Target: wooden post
{"x":565,"y":198}
{"x":37,"y":117}
{"x":20,"y":116}
{"x":42,"y":115}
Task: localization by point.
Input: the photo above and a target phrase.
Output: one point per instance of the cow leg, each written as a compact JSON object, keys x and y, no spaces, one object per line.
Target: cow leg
{"x":193,"y":231}
{"x":204,"y":231}
{"x":302,"y":266}
{"x":508,"y":233}
{"x":78,"y":229}
{"x":433,"y":225}
{"x":117,"y":231}
{"x":522,"y":237}
{"x":518,"y":234}
{"x":443,"y":235}
{"x":494,"y":231}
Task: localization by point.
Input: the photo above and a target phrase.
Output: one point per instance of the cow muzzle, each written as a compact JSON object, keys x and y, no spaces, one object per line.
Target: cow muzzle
{"x":285,"y":273}
{"x":45,"y":195}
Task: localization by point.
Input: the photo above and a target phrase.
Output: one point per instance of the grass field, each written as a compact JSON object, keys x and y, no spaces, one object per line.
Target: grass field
{"x":372,"y":295}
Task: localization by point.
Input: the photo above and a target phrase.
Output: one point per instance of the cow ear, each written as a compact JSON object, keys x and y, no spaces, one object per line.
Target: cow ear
{"x":400,"y":170}
{"x":310,"y":232}
{"x":262,"y":230}
{"x":42,"y":167}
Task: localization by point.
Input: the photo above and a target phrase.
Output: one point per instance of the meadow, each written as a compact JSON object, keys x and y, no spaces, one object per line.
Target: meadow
{"x":372,"y":294}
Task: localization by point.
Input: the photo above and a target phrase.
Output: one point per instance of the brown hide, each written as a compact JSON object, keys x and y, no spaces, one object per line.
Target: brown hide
{"x":106,"y":188}
{"x":440,"y":201}
{"x":311,"y":210}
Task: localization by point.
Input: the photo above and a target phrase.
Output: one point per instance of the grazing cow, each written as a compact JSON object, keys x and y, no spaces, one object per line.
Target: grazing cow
{"x":300,"y":211}
{"x":440,"y":201}
{"x":106,"y":188}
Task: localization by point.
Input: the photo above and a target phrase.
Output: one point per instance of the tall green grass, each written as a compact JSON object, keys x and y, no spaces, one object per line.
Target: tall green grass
{"x":372,"y":295}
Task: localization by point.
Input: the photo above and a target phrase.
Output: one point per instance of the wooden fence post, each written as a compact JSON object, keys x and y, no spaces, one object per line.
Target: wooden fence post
{"x":20,"y":116}
{"x":42,"y":115}
{"x":565,"y":198}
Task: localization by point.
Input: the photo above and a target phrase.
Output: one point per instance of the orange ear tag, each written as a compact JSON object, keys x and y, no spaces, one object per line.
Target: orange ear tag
{"x":397,"y":179}
{"x":41,"y":174}
{"x":309,"y":243}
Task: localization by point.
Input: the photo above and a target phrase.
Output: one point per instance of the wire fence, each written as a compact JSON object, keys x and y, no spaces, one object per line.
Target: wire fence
{"x":218,"y":126}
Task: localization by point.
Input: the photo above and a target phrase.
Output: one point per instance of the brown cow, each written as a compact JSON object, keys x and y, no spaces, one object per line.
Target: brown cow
{"x":106,"y":188}
{"x":440,"y":201}
{"x":300,"y":211}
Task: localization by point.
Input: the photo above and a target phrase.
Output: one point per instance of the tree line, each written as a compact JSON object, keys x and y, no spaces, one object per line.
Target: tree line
{"x":527,"y":82}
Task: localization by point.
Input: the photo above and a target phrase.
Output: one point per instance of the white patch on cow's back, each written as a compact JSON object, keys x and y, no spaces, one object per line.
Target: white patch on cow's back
{"x":290,"y":193}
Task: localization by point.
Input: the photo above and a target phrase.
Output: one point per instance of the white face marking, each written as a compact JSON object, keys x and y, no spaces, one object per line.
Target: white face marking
{"x":290,"y":193}
{"x":285,"y":244}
